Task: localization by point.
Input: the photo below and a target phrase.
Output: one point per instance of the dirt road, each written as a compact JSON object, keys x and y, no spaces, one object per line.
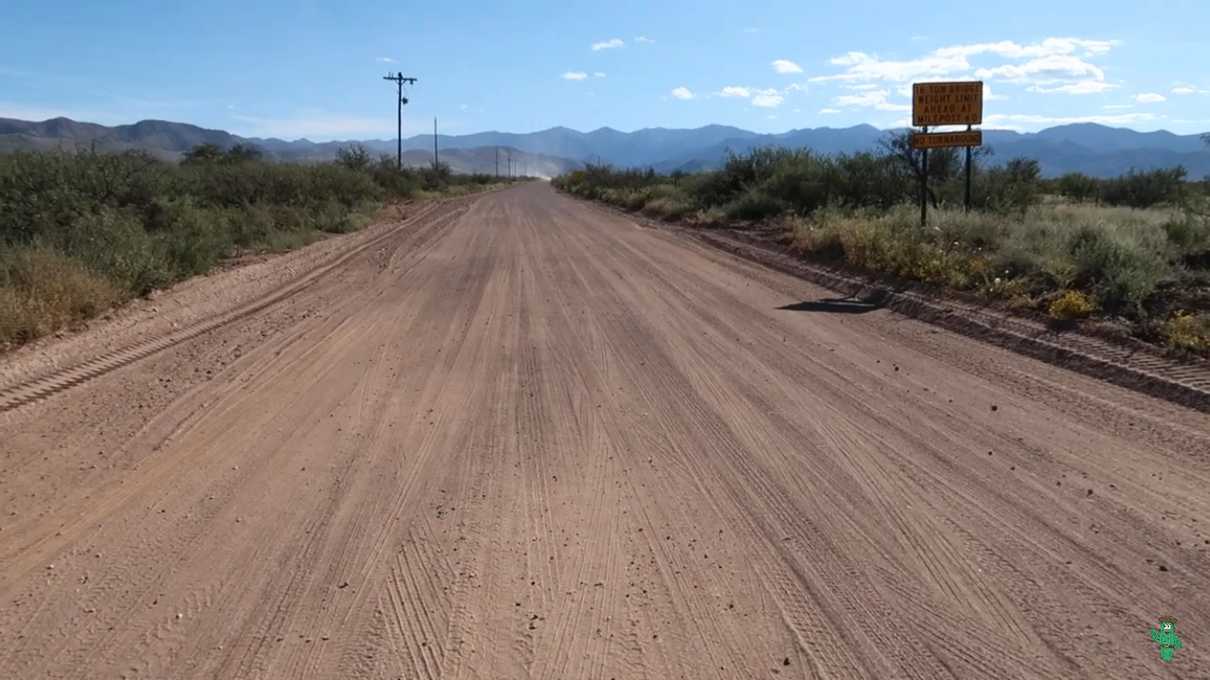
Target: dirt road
{"x":521,"y":437}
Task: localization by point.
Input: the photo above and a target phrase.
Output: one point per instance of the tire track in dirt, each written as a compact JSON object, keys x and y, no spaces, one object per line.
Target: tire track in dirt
{"x":522,"y":439}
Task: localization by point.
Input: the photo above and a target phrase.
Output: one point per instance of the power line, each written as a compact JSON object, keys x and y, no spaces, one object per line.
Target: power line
{"x":400,"y":79}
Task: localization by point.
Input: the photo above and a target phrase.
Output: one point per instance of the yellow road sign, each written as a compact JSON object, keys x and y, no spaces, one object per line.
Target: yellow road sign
{"x":957,"y":103}
{"x":941,"y":140}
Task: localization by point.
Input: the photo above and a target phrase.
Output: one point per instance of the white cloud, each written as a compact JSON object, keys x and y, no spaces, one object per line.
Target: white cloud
{"x":871,"y":99}
{"x":988,"y":95}
{"x":1185,"y":89}
{"x":1150,"y":98}
{"x":862,"y":67}
{"x":796,"y":87}
{"x":598,"y":74}
{"x":767,"y":99}
{"x":1046,"y":48}
{"x":786,"y":66}
{"x":644,"y":40}
{"x":574,"y":75}
{"x":612,"y":43}
{"x":1117,"y":107}
{"x":828,"y":112}
{"x":683,"y":93}
{"x":1078,"y":87}
{"x":1054,"y":65}
{"x":385,"y":60}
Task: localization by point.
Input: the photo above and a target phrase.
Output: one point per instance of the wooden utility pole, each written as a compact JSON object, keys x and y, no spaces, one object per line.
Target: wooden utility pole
{"x":436,"y":158}
{"x":399,"y":79}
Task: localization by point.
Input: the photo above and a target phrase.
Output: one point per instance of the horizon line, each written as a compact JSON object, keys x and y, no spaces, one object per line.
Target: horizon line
{"x":599,"y":129}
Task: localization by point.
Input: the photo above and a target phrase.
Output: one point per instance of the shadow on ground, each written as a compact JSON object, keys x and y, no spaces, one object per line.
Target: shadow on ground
{"x":834,"y":306}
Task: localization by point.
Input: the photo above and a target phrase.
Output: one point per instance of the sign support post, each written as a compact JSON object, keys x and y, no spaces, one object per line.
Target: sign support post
{"x":924,"y":186}
{"x":968,"y":175}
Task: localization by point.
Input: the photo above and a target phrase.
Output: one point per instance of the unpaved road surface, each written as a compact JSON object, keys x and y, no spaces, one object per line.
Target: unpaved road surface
{"x":526,"y":438}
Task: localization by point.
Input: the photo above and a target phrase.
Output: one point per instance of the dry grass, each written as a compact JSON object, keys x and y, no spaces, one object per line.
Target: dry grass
{"x":1070,"y":261}
{"x":42,"y":292}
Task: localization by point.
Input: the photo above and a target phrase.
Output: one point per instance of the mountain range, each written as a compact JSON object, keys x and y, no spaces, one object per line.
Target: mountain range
{"x":1085,"y":147}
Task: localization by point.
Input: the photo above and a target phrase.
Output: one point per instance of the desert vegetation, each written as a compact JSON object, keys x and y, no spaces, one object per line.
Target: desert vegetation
{"x":1135,"y":249}
{"x":82,"y":232}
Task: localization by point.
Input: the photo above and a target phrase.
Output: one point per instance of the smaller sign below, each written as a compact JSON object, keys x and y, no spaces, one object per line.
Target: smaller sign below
{"x":942,"y":140}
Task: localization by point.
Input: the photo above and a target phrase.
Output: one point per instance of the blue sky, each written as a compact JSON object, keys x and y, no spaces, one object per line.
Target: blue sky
{"x":313,"y":69}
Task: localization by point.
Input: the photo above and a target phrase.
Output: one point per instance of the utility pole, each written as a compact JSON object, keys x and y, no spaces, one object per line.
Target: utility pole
{"x":436,"y":158}
{"x":399,"y":79}
{"x":497,"y":163}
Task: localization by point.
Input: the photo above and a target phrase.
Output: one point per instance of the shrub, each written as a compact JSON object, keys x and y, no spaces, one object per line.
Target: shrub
{"x":1123,"y":274}
{"x":670,"y":208}
{"x":1071,"y":305}
{"x":1078,"y":187}
{"x":42,"y":291}
{"x":1012,"y":188}
{"x":754,"y":204}
{"x":1144,"y":189}
{"x":1188,"y":331}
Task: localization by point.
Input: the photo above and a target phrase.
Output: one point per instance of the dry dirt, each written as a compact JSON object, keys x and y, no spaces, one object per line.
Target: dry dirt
{"x":521,"y":438}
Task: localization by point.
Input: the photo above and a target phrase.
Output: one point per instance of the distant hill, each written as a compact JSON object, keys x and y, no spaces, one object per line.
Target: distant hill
{"x":162,"y":138}
{"x":1089,"y":148}
{"x":645,"y":147}
{"x":1093,"y":149}
{"x":169,"y":141}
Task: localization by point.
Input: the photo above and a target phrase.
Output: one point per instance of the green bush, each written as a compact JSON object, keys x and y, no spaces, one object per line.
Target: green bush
{"x":117,"y":225}
{"x":1144,"y":189}
{"x":754,"y":204}
{"x":1122,"y":273}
